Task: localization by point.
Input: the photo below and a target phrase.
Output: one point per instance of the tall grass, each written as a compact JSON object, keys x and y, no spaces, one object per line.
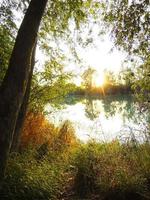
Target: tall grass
{"x":113,"y":170}
{"x":40,"y":170}
{"x":58,"y":166}
{"x":29,"y":179}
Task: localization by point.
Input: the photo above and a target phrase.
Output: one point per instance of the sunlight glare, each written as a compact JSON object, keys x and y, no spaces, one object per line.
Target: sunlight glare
{"x":98,"y":79}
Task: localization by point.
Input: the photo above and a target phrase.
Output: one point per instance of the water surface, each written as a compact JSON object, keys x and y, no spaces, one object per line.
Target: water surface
{"x":106,"y":119}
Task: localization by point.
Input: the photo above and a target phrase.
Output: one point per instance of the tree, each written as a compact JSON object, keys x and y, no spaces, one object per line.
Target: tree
{"x":127,"y":75}
{"x":14,"y":85}
{"x":40,"y":95}
{"x":91,"y":109}
{"x":7,"y":32}
{"x":87,"y":77}
{"x":129,"y":21}
{"x":130,"y":30}
{"x":141,"y":85}
{"x":49,"y":86}
{"x":23,"y":109}
{"x":110,"y":77}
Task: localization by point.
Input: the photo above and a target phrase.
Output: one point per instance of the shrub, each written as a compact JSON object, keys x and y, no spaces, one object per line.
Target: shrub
{"x":65,"y":138}
{"x":36,"y":130}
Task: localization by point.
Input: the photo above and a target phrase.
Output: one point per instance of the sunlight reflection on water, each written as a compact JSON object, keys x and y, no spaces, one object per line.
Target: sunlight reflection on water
{"x":103,"y":120}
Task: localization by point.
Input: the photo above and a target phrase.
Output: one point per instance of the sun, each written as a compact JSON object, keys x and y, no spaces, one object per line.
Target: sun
{"x":98,"y":79}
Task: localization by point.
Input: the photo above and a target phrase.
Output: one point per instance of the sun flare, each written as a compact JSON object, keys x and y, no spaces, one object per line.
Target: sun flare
{"x":98,"y":79}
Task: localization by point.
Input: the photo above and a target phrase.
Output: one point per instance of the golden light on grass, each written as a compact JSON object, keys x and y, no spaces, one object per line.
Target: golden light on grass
{"x":98,"y":79}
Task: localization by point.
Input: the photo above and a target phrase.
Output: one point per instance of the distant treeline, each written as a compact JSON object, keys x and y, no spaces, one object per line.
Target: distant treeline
{"x":104,"y":90}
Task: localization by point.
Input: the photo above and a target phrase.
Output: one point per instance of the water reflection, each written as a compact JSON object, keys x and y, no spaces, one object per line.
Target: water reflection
{"x":102,"y":119}
{"x":92,"y":109}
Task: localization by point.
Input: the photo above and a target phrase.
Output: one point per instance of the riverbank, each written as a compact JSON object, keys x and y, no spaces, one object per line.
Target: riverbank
{"x":61,"y":167}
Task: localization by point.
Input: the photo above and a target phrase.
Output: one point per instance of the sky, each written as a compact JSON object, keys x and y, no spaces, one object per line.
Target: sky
{"x":101,"y":58}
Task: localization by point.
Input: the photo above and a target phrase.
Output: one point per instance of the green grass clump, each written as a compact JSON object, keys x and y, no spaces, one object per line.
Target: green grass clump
{"x":113,"y":170}
{"x":28,"y":179}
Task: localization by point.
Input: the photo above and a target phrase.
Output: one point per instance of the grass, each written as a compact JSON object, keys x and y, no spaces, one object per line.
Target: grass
{"x":64,"y":168}
{"x":113,"y":170}
{"x":28,"y":178}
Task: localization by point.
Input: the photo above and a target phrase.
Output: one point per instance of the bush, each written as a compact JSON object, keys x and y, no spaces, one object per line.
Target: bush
{"x":36,"y":131}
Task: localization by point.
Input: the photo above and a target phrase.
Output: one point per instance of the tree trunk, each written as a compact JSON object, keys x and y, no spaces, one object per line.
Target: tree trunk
{"x":15,"y":82}
{"x":23,"y":109}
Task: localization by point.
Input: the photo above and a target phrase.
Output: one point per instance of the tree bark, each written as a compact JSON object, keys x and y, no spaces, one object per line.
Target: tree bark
{"x":14,"y":86}
{"x":23,"y":109}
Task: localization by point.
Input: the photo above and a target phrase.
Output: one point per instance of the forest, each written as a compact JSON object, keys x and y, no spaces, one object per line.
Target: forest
{"x":75,"y":100}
